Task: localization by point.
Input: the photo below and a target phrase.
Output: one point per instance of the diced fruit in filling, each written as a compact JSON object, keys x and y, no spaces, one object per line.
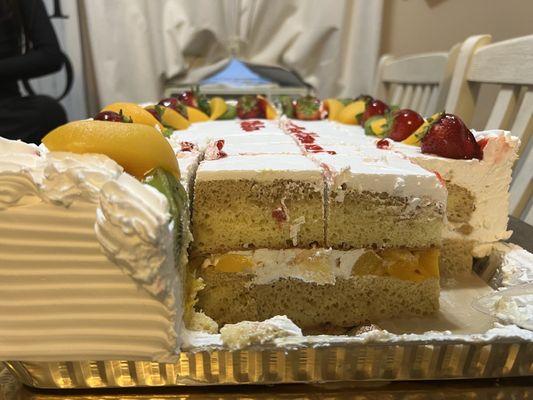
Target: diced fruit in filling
{"x":196,"y":115}
{"x":333,"y":107}
{"x":218,"y":107}
{"x":250,"y":107}
{"x":137,"y":148}
{"x":308,"y":108}
{"x":231,"y":263}
{"x":373,"y":108}
{"x":137,"y":114}
{"x":270,"y":111}
{"x":351,"y":113}
{"x":383,"y":144}
{"x":112,"y":116}
{"x":411,"y":265}
{"x":405,"y":122}
{"x":449,"y":137}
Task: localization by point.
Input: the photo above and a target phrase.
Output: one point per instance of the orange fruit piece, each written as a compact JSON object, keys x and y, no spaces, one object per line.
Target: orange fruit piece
{"x":137,"y":148}
{"x":138,"y":114}
{"x":349,"y":114}
{"x":174,"y":119}
{"x":334,"y":108}
{"x":218,"y":107}
{"x":196,"y":115}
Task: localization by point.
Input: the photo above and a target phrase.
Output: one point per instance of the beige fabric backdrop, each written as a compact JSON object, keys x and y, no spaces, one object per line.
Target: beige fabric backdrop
{"x":137,"y":45}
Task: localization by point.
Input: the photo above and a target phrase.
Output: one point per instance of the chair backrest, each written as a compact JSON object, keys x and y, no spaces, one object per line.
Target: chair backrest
{"x":510,"y":65}
{"x":419,"y":82}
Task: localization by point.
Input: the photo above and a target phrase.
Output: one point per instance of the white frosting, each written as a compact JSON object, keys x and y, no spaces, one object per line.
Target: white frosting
{"x":260,"y":168}
{"x":249,"y":333}
{"x":21,"y":172}
{"x":70,"y":176}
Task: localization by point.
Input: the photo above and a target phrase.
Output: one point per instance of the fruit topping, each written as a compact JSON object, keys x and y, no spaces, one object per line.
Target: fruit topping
{"x":405,"y":122}
{"x":112,"y":116}
{"x":193,"y":98}
{"x":137,"y":114}
{"x":137,"y":148}
{"x":232,"y":263}
{"x":379,"y":125}
{"x":482,"y":143}
{"x":172,"y":118}
{"x":308,"y":108}
{"x":253,"y":125}
{"x":287,"y":106}
{"x":171,"y":188}
{"x":351,"y":113}
{"x":250,"y":107}
{"x":383,"y":144}
{"x":196,"y":115}
{"x":304,"y":137}
{"x":174,"y":104}
{"x":449,"y":137}
{"x":416,"y":137}
{"x":154,"y":112}
{"x":333,"y":108}
{"x":231,"y":112}
{"x":218,"y":107}
{"x":374,"y":107}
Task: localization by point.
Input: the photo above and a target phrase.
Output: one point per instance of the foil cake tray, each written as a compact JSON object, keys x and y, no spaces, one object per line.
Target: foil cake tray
{"x":326,"y":360}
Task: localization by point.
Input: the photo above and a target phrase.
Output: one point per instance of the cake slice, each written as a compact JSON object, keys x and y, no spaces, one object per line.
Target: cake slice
{"x":258,"y":201}
{"x":92,"y":259}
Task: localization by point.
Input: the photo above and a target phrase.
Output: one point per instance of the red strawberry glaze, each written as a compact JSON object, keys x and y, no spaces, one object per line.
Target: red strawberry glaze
{"x":440,"y":178}
{"x":304,"y":137}
{"x":279,"y":215}
{"x":252,"y":125}
{"x":187,"y":146}
{"x":315,"y":148}
{"x":383,"y":144}
{"x":482,"y":143}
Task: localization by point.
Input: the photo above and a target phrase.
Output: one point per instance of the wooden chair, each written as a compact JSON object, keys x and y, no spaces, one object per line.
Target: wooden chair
{"x":508,"y":64}
{"x":419,"y":82}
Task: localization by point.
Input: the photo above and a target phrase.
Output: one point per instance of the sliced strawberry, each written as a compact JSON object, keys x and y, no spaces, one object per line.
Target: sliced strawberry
{"x":173,"y":103}
{"x":383,"y":144}
{"x":405,"y":122}
{"x":187,"y":146}
{"x":449,"y":137}
{"x":374,"y":107}
{"x":308,"y":108}
{"x":112,"y":116}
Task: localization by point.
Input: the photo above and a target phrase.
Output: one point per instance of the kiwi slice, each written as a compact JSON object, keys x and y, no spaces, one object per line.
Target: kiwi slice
{"x":231,"y":112}
{"x":172,"y":189}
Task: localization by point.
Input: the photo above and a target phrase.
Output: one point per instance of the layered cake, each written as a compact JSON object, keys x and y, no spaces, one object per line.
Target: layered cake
{"x":115,"y":241}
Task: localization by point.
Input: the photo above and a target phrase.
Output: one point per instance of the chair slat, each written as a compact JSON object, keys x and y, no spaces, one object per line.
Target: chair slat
{"x":424,"y":100}
{"x":417,"y":69}
{"x":503,"y":108}
{"x":397,"y":94}
{"x":407,"y":96}
{"x":523,"y":124}
{"x":432,"y":103}
{"x":417,"y":95}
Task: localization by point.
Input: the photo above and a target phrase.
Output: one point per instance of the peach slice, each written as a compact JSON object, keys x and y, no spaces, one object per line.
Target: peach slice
{"x":174,"y":119}
{"x":350,"y":113}
{"x":195,"y":115}
{"x":137,"y":148}
{"x":270,"y":111}
{"x":218,"y":107}
{"x":334,"y":108}
{"x":138,"y":114}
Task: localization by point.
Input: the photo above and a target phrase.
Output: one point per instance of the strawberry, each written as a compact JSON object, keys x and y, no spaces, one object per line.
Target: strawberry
{"x":405,"y":122}
{"x":112,"y":116}
{"x":193,"y":98}
{"x":250,"y":107}
{"x":374,"y":107}
{"x":308,"y":108}
{"x":449,"y":137}
{"x":175,"y":104}
{"x":365,"y":97}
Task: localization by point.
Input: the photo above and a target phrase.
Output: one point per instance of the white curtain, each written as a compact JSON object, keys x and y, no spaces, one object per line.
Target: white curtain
{"x":137,"y":45}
